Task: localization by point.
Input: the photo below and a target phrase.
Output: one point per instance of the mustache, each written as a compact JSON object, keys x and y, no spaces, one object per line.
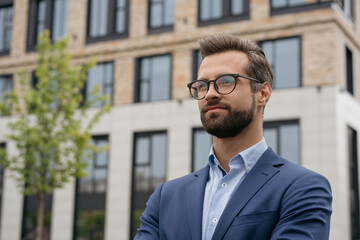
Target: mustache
{"x":215,"y":103}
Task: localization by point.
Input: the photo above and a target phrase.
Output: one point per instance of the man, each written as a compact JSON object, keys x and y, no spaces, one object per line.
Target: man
{"x":247,"y":191}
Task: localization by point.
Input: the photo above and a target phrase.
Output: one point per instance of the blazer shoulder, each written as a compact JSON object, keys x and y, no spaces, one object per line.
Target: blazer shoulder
{"x":202,"y":174}
{"x":288,"y":168}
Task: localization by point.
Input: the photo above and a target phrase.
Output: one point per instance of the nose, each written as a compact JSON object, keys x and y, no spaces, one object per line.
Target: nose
{"x":212,"y":93}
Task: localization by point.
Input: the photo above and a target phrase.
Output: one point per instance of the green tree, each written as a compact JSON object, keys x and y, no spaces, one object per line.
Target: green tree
{"x":52,"y":126}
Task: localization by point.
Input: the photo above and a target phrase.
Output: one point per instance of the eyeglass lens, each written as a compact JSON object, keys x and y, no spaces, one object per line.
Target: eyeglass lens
{"x":223,"y":85}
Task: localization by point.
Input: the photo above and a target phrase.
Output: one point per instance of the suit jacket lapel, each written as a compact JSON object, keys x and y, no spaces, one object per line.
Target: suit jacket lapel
{"x":256,"y":178}
{"x":195,"y":191}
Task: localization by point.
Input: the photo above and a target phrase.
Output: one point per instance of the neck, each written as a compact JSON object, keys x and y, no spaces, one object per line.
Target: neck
{"x":226,"y":148}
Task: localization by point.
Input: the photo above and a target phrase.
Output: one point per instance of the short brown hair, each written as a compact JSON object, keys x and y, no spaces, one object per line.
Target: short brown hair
{"x":258,"y":67}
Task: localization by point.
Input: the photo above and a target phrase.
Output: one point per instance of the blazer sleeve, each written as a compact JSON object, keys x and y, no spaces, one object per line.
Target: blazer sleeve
{"x":305,"y":210}
{"x":149,"y":228}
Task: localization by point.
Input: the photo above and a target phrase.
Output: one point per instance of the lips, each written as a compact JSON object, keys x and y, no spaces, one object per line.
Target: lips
{"x":214,"y":107}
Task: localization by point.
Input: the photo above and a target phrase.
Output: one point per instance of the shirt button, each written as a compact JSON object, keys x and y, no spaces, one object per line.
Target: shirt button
{"x":215,"y":220}
{"x":248,"y":169}
{"x":224,"y":185}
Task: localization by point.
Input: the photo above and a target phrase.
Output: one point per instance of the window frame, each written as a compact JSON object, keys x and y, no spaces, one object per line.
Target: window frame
{"x":163,"y":28}
{"x":104,"y":84}
{"x":111,"y":33}
{"x":11,"y":80}
{"x":48,"y":204}
{"x":277,"y":125}
{"x":299,"y":60}
{"x":225,"y":18}
{"x":94,"y":201}
{"x":196,"y":129}
{"x":2,"y":174}
{"x":299,"y":8}
{"x":135,"y":137}
{"x":349,"y":71}
{"x":353,"y":182}
{"x":196,"y":58}
{"x":32,"y":33}
{"x":8,"y":4}
{"x":138,"y":77}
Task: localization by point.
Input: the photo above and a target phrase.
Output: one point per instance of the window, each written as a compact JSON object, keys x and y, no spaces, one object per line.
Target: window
{"x":349,"y":71}
{"x":219,"y":11}
{"x":46,"y":14}
{"x":29,"y":220}
{"x":284,"y":56}
{"x":5,"y":86}
{"x":201,"y":144}
{"x":285,"y":3}
{"x":348,"y":7}
{"x":196,"y":63}
{"x":6,"y":15}
{"x":284,"y":138}
{"x":354,"y":183}
{"x":90,"y":197}
{"x":100,"y":76}
{"x":2,"y":147}
{"x":107,"y":19}
{"x":149,"y":170}
{"x":161,"y":15}
{"x":153,"y":79}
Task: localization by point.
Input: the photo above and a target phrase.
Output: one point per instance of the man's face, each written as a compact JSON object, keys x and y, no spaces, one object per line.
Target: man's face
{"x":226,"y":115}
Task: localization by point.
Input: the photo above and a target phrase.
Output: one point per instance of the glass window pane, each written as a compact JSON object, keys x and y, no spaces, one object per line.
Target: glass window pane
{"x":271,"y":138}
{"x":268,"y":50}
{"x":290,"y":142}
{"x":296,"y":2}
{"x":94,"y":80}
{"x":237,"y":7}
{"x":2,"y":28}
{"x":100,"y":176}
{"x":145,"y":68}
{"x":90,"y":224}
{"x":41,"y":16}
{"x":201,"y":149}
{"x":278,"y":3}
{"x":287,"y":63}
{"x":5,"y":86}
{"x":169,"y":12}
{"x":216,"y":9}
{"x":5,"y":28}
{"x":144,"y":91}
{"x":101,"y":77}
{"x":142,"y":179}
{"x":158,"y":156}
{"x":160,"y":78}
{"x":155,"y":14}
{"x":98,"y":18}
{"x":60,"y":19}
{"x":205,"y":10}
{"x":142,"y":154}
{"x":120,"y":16}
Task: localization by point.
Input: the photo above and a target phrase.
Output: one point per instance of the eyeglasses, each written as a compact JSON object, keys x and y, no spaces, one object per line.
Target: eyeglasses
{"x":223,"y":84}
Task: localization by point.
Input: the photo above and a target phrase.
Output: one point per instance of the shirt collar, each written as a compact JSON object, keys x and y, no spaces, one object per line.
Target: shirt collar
{"x":248,"y":157}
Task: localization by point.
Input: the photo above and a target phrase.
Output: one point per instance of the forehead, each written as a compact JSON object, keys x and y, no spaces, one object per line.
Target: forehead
{"x":223,"y":63}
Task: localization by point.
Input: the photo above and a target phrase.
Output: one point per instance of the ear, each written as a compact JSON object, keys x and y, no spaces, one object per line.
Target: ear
{"x":264,"y":94}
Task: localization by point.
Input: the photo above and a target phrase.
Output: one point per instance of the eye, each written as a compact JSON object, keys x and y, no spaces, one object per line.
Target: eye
{"x":199,"y":86}
{"x":225,"y":80}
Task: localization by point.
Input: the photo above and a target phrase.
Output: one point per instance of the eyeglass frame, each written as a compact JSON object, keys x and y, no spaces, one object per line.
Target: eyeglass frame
{"x":236,"y":76}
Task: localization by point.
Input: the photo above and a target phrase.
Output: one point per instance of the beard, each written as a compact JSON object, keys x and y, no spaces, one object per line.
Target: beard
{"x":230,"y":125}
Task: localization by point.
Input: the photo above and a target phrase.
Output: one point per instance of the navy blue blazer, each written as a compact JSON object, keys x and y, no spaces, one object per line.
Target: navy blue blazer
{"x":277,"y":200}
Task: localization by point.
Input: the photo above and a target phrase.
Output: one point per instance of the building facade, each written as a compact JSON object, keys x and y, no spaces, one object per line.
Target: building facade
{"x":146,"y":52}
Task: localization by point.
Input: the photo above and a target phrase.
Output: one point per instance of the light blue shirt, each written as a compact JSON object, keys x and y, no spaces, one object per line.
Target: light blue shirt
{"x":221,"y":185}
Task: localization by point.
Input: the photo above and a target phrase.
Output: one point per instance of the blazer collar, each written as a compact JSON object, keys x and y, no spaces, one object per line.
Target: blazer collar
{"x":263,"y":170}
{"x":195,"y":191}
